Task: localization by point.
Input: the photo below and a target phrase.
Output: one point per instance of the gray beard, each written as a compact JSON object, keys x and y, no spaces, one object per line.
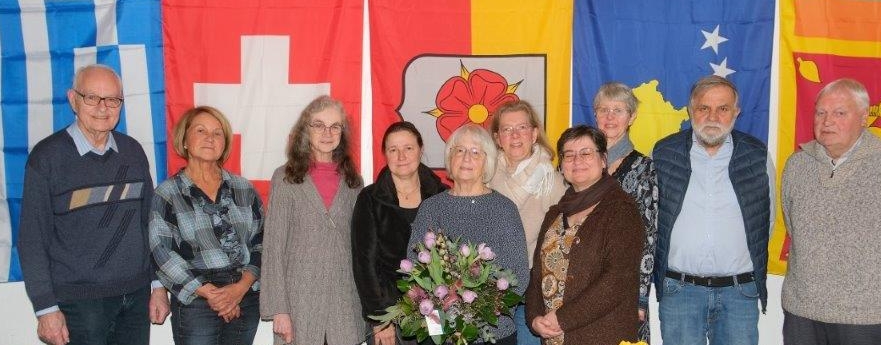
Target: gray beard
{"x":709,"y":140}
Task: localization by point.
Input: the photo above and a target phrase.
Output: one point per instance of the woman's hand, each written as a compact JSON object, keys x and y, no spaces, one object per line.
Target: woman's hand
{"x":547,"y":326}
{"x":283,"y":327}
{"x":641,"y":313}
{"x":384,"y":335}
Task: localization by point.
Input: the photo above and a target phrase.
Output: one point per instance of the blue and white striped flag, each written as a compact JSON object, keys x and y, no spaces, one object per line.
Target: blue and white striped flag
{"x":42,"y":43}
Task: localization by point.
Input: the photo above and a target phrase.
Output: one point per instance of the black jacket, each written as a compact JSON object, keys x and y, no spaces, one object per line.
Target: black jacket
{"x":380,"y":233}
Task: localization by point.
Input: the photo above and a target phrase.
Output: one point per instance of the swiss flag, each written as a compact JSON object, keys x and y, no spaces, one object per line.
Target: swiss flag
{"x":261,"y":63}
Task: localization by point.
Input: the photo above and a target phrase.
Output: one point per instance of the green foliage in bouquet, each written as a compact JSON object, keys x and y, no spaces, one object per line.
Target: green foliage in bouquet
{"x":461,"y":283}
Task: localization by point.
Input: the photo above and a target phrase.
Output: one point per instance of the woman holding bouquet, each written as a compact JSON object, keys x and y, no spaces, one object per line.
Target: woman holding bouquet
{"x":585,"y":278}
{"x":381,"y":223}
{"x":307,"y":287}
{"x":525,"y":174}
{"x":615,"y":109}
{"x":475,"y":213}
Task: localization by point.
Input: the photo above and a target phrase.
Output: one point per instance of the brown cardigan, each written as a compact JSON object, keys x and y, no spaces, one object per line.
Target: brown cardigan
{"x":599,"y":304}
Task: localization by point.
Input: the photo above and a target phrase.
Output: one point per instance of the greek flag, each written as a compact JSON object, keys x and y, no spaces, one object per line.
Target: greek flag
{"x":42,"y":43}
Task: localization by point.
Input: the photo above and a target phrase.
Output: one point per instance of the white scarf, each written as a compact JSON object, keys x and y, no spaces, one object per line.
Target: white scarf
{"x":532,"y":177}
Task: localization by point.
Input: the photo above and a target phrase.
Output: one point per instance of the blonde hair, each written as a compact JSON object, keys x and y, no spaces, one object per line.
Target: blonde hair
{"x":180,"y":131}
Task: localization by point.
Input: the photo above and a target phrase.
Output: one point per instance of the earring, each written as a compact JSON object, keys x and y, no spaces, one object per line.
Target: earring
{"x":185,"y":147}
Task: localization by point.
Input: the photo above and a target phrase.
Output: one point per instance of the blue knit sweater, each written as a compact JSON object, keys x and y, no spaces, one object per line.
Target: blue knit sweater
{"x":83,"y":231}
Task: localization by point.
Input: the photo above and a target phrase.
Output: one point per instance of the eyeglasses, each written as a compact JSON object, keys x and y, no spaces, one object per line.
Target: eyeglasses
{"x":586,"y":154}
{"x":320,"y":127}
{"x":611,"y":111}
{"x":461,"y":151}
{"x":519,"y":129}
{"x":93,"y":100}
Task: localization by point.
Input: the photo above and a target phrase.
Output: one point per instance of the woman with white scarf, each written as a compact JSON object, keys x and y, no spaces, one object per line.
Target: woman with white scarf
{"x":525,"y":174}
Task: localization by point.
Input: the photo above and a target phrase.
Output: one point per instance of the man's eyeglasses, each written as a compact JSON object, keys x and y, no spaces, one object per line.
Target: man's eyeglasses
{"x":461,"y":151}
{"x":93,"y":100}
{"x":320,"y":127}
{"x":584,"y":154}
{"x":519,"y":129}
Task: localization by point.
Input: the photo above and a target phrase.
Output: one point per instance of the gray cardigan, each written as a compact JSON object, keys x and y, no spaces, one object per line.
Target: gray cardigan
{"x":835,"y":257}
{"x":307,"y":263}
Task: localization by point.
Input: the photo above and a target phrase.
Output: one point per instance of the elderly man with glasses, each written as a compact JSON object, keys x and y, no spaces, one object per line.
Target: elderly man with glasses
{"x":83,"y":235}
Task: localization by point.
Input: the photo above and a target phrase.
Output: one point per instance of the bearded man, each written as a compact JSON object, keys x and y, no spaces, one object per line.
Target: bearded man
{"x":715,"y":206}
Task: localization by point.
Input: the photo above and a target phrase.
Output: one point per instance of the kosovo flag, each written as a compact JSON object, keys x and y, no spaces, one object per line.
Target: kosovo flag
{"x":660,"y":48}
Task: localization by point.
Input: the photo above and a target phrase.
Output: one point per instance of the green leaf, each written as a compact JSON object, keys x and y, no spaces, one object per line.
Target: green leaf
{"x":403,"y":285}
{"x":434,"y":268}
{"x":438,"y":340}
{"x":424,"y":283}
{"x":421,"y":335}
{"x":489,"y":316}
{"x":469,"y":332}
{"x":391,"y":313}
{"x":511,"y":299}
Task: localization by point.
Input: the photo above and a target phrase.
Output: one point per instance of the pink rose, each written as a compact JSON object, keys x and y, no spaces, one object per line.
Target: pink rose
{"x":441,"y":290}
{"x":465,"y":250}
{"x":424,"y":257}
{"x":469,"y":296}
{"x":485,"y":252}
{"x":502,"y":284}
{"x":426,"y":307}
{"x":429,"y":239}
{"x":406,"y":266}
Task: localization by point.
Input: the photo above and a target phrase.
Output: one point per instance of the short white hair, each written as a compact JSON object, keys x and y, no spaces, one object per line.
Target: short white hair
{"x":486,"y":142}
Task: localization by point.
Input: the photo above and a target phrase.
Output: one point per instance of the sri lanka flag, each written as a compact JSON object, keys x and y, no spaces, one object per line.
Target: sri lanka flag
{"x":443,"y":64}
{"x":821,"y":41}
{"x":41,"y":45}
{"x":660,"y":48}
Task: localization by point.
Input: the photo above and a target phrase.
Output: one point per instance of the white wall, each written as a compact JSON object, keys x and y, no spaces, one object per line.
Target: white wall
{"x":19,"y":327}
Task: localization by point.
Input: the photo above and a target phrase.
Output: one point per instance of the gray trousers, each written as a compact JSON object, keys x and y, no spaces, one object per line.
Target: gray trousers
{"x":798,"y":330}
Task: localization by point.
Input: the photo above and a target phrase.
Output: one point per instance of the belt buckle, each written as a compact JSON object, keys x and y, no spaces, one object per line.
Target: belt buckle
{"x":709,"y":281}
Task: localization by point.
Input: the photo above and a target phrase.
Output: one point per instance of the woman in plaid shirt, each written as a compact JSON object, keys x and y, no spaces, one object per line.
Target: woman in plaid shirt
{"x":206,"y":235}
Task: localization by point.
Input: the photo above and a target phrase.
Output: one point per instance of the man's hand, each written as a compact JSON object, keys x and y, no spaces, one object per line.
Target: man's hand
{"x":52,"y":328}
{"x":283,"y":327}
{"x":159,"y":306}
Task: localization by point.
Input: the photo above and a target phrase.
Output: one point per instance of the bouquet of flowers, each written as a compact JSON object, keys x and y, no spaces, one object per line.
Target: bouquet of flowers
{"x":453,"y":293}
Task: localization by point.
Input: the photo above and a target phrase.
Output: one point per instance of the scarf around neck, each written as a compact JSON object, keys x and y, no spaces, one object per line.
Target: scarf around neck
{"x":531,"y":177}
{"x":621,"y":149}
{"x":573,"y":202}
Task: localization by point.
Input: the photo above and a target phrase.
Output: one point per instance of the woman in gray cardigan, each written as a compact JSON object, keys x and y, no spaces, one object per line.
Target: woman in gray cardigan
{"x":307,"y":287}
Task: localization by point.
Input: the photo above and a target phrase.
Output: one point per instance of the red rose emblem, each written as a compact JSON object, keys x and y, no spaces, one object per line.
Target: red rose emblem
{"x":471,"y":97}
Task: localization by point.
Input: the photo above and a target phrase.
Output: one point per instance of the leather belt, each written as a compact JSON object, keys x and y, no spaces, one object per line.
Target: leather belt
{"x":742,"y":278}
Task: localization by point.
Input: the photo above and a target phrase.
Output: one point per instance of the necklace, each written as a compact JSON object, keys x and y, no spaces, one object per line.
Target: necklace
{"x":407,"y":194}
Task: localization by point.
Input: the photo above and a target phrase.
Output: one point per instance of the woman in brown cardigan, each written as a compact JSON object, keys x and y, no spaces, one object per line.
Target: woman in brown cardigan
{"x":585,"y":273}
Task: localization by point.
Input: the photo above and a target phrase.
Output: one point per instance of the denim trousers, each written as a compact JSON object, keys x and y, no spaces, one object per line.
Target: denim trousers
{"x":113,"y":320}
{"x":524,"y":334}
{"x":197,"y":324}
{"x":693,"y":314}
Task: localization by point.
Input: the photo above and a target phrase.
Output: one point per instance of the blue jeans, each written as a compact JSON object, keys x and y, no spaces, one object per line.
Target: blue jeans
{"x":113,"y":320}
{"x":197,"y":324}
{"x":524,"y":335}
{"x":692,"y":314}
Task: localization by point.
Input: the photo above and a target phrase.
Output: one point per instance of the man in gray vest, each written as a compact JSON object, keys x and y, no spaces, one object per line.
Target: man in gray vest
{"x":713,"y":224}
{"x":829,"y":191}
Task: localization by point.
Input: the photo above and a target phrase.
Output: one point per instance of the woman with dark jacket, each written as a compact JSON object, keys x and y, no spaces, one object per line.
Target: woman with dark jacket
{"x":381,"y":223}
